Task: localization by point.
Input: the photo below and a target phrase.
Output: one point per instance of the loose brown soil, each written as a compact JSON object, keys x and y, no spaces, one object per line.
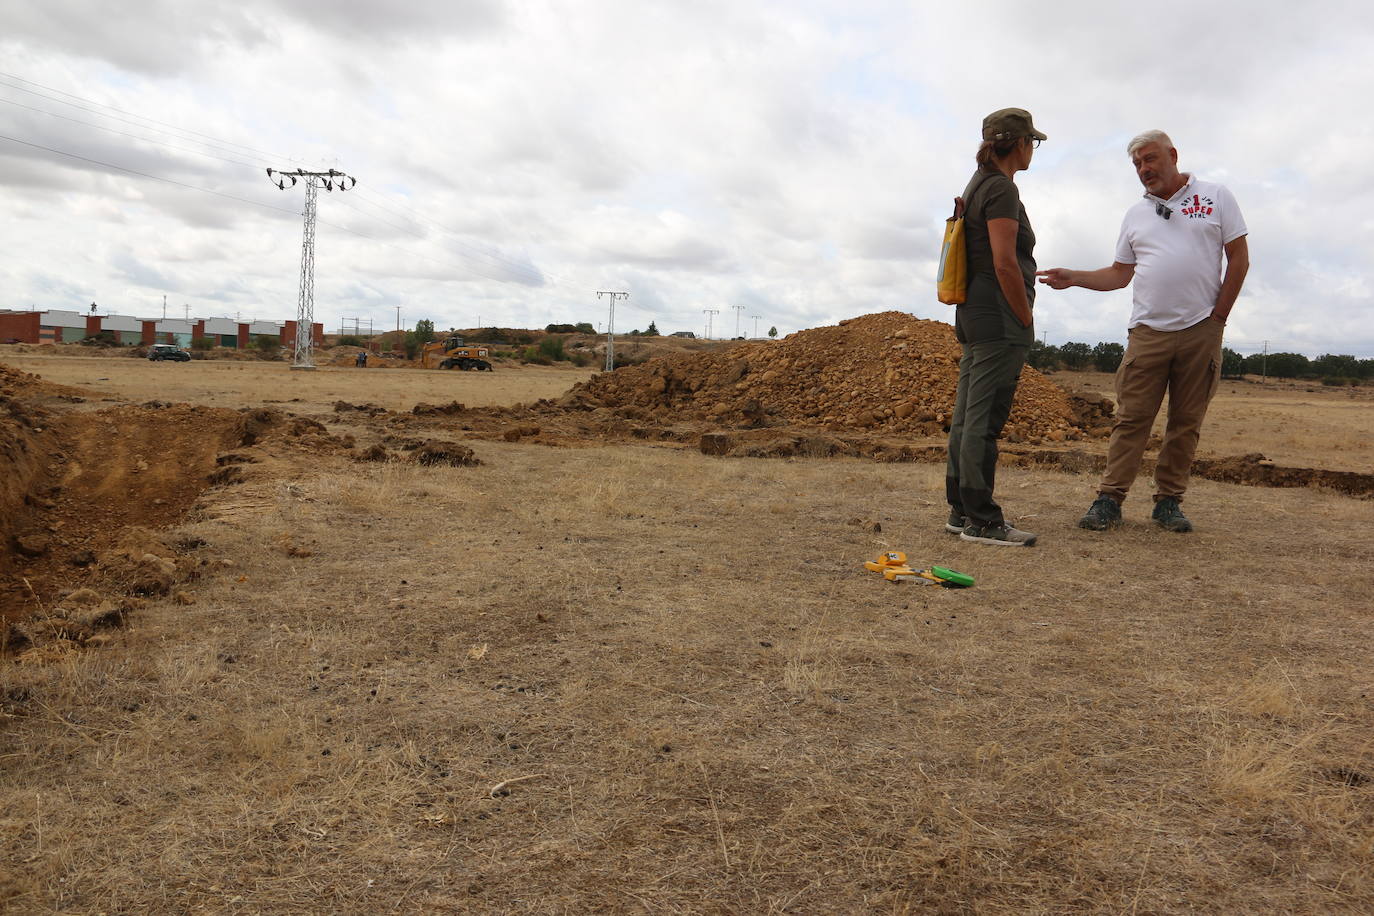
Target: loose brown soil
{"x":371,"y":659}
{"x":888,"y":371}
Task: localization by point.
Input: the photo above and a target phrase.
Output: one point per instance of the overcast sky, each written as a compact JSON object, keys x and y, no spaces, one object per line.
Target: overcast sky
{"x":793,"y":158}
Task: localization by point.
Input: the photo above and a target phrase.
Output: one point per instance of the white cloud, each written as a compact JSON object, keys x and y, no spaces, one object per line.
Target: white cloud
{"x":799,"y":159}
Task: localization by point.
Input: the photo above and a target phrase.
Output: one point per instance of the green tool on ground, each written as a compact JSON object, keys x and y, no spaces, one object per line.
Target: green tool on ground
{"x":892,"y":564}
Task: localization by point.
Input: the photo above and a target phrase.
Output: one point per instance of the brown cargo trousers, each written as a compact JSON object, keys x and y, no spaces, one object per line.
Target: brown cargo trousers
{"x":1186,"y":364}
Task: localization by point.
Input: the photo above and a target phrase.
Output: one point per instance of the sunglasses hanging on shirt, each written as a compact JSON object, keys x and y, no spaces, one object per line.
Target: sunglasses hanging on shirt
{"x":1162,"y":210}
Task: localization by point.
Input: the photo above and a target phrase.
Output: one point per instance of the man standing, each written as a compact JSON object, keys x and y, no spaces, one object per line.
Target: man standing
{"x":1171,"y":243}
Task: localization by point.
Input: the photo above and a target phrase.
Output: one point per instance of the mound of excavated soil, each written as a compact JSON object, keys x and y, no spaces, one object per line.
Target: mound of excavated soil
{"x":887,"y":372}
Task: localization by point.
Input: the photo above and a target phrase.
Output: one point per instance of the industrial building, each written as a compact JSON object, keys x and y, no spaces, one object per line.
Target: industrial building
{"x":57,"y":326}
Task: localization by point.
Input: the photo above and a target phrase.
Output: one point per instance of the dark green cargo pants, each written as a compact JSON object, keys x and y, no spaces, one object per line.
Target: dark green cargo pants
{"x":988,"y":373}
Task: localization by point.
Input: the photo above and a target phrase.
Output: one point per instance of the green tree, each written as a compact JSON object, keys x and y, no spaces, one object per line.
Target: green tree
{"x":1278,"y":365}
{"x":584,"y":327}
{"x":773,"y":332}
{"x":1107,"y":356}
{"x":560,"y":328}
{"x":552,"y":348}
{"x":415,"y":340}
{"x":1232,"y":363}
{"x":1043,"y":357}
{"x":652,"y":330}
{"x":267,"y":345}
{"x":1076,"y":356}
{"x":1342,"y":366}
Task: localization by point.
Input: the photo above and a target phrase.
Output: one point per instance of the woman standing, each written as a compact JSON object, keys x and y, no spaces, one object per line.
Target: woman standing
{"x":994,"y":326}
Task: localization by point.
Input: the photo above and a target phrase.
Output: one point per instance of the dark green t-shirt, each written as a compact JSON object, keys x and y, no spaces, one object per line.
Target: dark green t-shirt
{"x":986,"y":314}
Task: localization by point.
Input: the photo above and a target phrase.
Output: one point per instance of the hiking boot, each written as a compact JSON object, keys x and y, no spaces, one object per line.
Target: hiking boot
{"x":1169,"y":516}
{"x":1104,"y":513}
{"x":1002,"y":535}
{"x":956,"y":522}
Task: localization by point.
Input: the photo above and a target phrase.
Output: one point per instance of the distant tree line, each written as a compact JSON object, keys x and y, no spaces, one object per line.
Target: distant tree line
{"x":583,"y":327}
{"x":1330,"y":368}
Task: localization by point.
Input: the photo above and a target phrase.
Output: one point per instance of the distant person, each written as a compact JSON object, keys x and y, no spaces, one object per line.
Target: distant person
{"x":1171,"y":242}
{"x":994,"y":326}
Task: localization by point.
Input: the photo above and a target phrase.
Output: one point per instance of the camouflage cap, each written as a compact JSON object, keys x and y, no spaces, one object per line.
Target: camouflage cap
{"x":1009,"y":124}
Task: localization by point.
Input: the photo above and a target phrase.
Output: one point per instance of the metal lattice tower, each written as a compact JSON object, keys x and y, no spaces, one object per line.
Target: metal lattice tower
{"x":710,"y":314}
{"x":305,"y":306}
{"x":610,"y":326}
{"x":739,"y":313}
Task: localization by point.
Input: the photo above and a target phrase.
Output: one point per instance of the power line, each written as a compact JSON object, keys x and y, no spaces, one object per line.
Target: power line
{"x":183,"y":149}
{"x":527,"y":272}
{"x":532,"y":274}
{"x":522,"y":271}
{"x":180,"y":184}
{"x":215,"y":140}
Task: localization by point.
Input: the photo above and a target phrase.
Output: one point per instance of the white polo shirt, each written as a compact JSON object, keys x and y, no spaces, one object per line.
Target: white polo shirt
{"x":1178,"y":260}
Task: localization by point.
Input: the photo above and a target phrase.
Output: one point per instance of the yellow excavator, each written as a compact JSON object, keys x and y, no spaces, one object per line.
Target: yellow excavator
{"x":452,"y":353}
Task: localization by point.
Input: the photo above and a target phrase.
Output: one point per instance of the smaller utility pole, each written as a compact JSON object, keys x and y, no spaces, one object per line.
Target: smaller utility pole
{"x":1264,"y":363}
{"x":610,"y":325}
{"x":756,"y":324}
{"x":709,"y":313}
{"x":739,"y":313}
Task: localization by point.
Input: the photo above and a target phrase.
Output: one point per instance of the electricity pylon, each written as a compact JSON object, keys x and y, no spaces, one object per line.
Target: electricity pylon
{"x":709,"y":313}
{"x":610,"y":326}
{"x":305,"y":306}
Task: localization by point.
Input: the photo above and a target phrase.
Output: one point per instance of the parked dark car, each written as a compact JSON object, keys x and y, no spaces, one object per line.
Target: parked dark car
{"x":168,"y":351}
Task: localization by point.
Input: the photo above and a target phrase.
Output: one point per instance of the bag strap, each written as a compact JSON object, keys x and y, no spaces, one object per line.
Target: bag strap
{"x":978,"y":179}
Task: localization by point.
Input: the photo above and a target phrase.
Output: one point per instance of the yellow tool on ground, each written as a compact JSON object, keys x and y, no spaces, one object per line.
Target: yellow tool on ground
{"x":892,"y":564}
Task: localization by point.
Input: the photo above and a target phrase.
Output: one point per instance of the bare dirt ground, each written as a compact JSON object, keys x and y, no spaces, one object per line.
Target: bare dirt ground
{"x":631,"y":677}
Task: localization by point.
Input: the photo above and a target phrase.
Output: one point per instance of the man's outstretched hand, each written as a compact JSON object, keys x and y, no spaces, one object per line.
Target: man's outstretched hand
{"x":1055,"y":277}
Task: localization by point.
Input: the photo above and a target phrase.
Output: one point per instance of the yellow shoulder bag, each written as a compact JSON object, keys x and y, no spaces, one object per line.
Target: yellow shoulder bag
{"x":951,"y":283}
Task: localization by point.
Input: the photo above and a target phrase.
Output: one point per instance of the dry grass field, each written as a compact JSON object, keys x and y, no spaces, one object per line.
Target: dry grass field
{"x":636,"y":679}
{"x":254,"y":383}
{"x":1300,"y":424}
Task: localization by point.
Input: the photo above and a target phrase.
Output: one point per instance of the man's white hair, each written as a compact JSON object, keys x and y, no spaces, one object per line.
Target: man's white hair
{"x":1148,"y":137}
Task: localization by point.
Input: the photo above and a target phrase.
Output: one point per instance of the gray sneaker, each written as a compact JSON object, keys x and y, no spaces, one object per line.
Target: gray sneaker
{"x":1002,"y":535}
{"x":1169,"y":516}
{"x":1104,"y":513}
{"x":956,"y":523}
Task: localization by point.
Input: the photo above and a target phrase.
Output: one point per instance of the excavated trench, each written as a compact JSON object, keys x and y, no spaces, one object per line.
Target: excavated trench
{"x":76,"y":482}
